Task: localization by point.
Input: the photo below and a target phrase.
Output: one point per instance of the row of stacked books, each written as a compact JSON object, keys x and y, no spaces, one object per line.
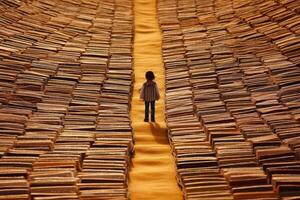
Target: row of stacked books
{"x":59,"y":139}
{"x":198,"y":171}
{"x":244,"y":91}
{"x":272,"y":77}
{"x":106,"y":165}
{"x":277,"y":21}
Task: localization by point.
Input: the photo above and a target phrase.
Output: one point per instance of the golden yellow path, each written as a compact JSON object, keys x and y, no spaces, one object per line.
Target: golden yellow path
{"x":152,"y":175}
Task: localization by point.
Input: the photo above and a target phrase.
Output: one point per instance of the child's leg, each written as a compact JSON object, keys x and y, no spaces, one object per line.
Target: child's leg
{"x":152,"y":111}
{"x":146,"y":111}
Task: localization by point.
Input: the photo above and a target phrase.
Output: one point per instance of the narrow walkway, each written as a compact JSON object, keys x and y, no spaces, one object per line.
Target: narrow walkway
{"x":152,"y":175}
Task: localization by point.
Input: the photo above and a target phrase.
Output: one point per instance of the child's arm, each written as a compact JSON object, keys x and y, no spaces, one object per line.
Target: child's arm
{"x":157,"y":92}
{"x":142,"y":93}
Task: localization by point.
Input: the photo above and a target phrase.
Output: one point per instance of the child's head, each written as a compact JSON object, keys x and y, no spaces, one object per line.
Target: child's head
{"x":149,"y":75}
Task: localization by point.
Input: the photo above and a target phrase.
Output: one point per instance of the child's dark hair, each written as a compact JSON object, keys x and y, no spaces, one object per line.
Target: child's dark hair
{"x":149,"y":75}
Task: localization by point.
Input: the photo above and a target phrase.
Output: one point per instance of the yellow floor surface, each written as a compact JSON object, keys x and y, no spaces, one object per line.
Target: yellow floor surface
{"x":152,"y":174}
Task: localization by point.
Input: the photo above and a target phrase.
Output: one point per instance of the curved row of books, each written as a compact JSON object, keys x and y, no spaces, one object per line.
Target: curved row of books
{"x":232,"y":97}
{"x":65,"y":88}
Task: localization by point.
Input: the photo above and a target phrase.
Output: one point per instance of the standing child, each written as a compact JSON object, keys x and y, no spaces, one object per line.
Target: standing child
{"x":149,"y":93}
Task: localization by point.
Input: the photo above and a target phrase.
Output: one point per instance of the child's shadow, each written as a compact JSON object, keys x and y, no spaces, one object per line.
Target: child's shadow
{"x":159,"y":133}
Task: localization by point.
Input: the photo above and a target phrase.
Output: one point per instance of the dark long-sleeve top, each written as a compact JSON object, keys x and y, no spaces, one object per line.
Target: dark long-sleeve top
{"x":149,"y":91}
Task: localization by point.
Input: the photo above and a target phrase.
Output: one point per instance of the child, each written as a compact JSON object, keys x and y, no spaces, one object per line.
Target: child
{"x":149,"y":93}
